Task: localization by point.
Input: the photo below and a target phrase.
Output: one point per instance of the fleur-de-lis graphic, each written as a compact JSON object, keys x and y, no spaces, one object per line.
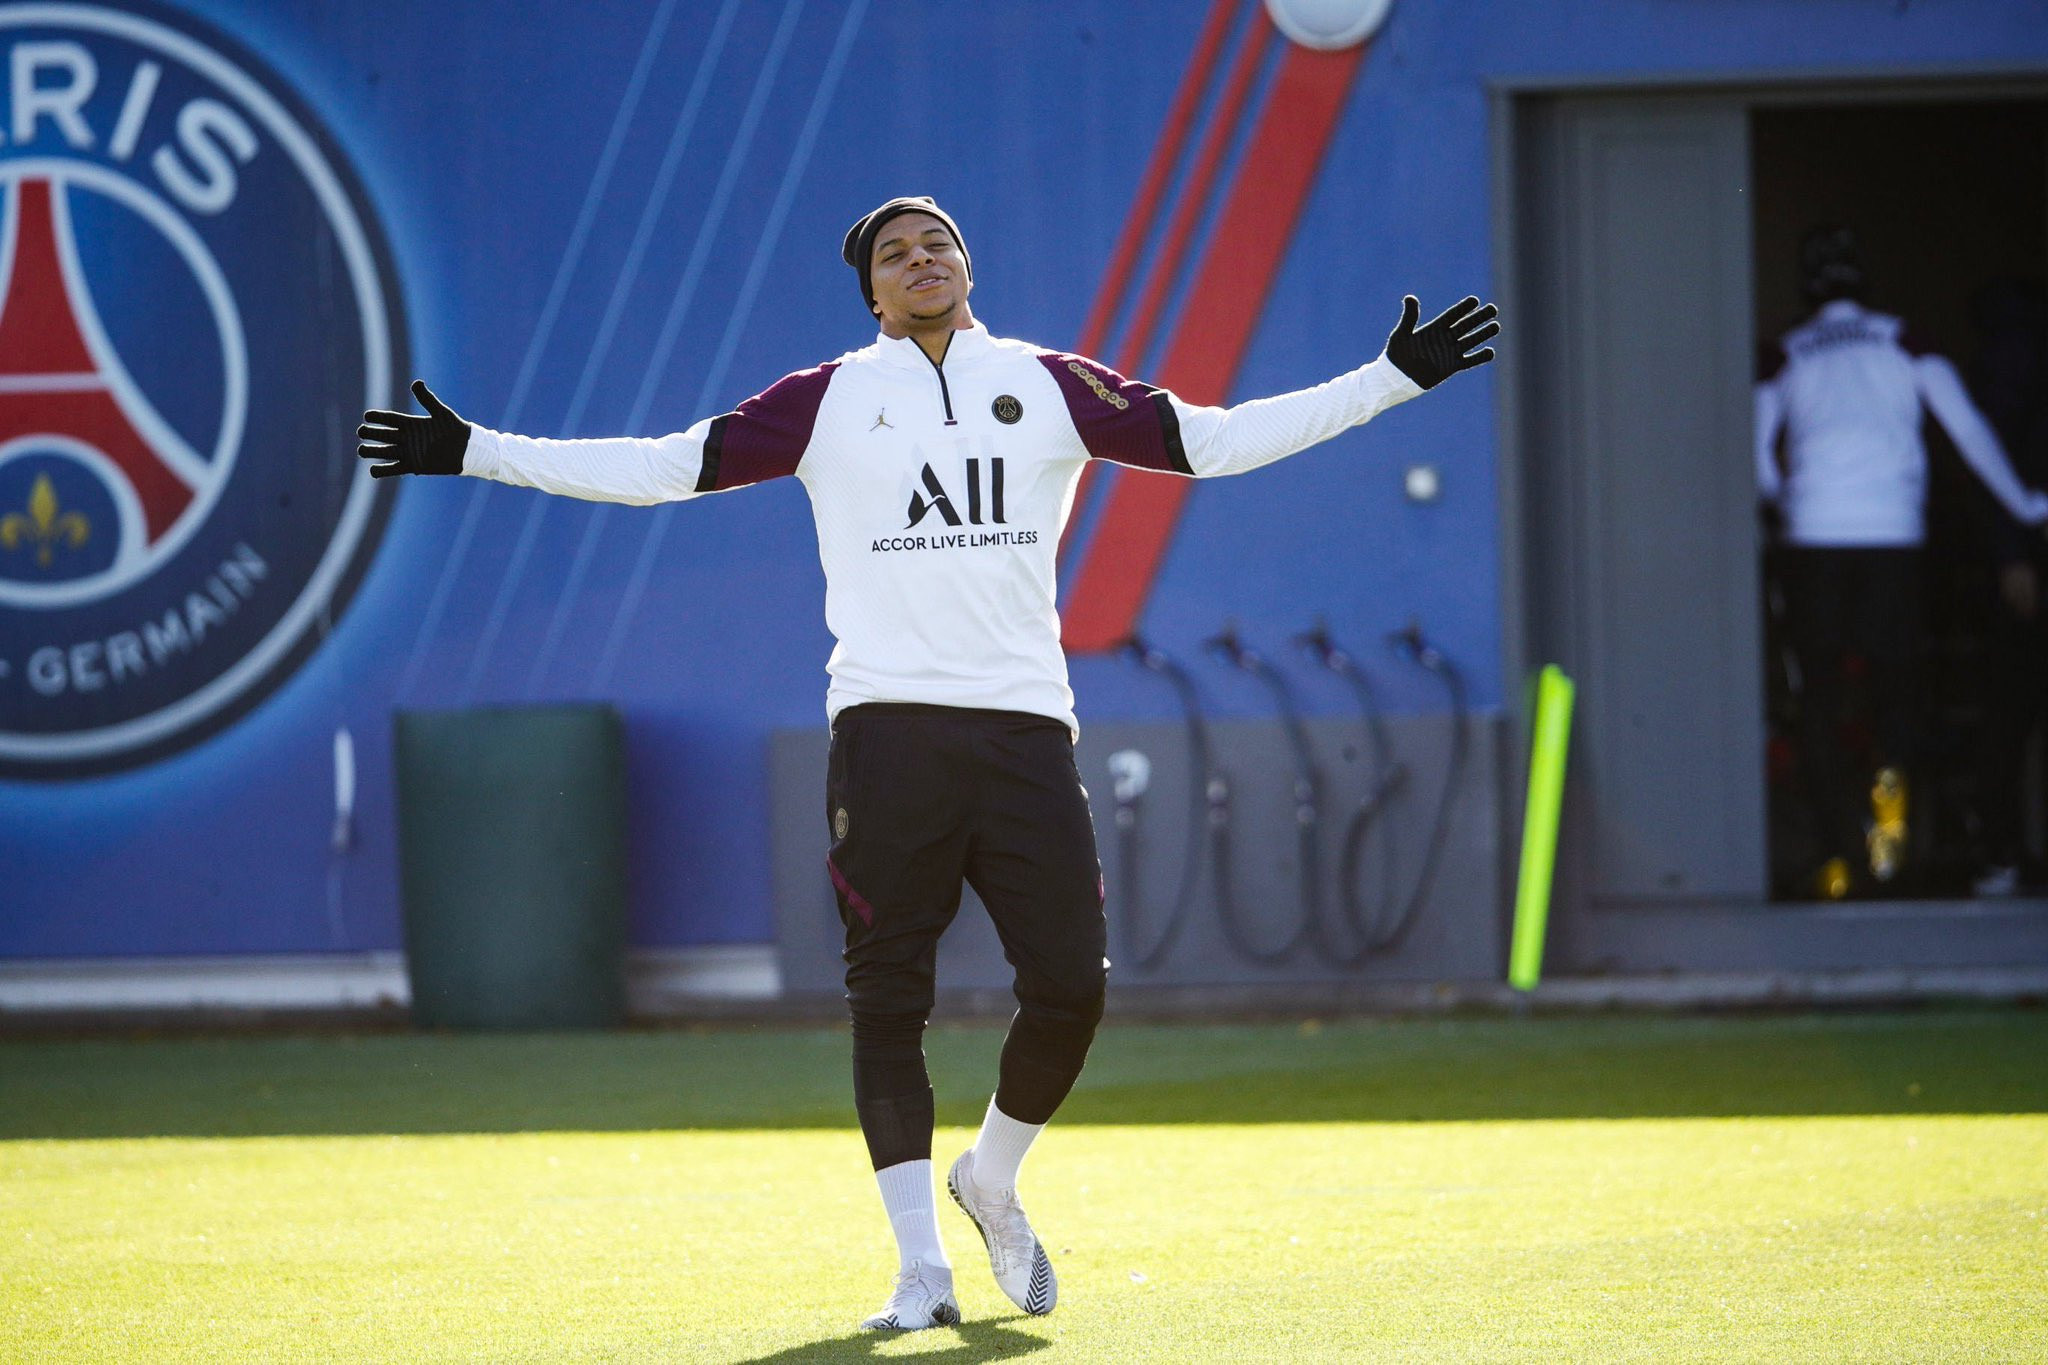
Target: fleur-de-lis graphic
{"x":44,"y":526}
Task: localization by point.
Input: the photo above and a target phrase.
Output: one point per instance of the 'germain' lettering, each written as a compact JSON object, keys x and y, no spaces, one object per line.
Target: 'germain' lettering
{"x":94,"y":665}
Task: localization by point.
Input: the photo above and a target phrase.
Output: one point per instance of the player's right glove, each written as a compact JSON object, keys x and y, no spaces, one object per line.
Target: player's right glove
{"x":414,"y":445}
{"x":1434,"y":352}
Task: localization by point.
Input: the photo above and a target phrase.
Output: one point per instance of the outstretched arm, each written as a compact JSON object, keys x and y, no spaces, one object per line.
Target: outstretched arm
{"x":1232,"y":440}
{"x":763,"y":438}
{"x":1941,"y":388}
{"x":1134,"y":424}
{"x":641,"y":470}
{"x":630,"y":470}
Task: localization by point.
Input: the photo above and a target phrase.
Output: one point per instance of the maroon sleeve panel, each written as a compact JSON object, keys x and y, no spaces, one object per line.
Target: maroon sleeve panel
{"x":766,"y":436}
{"x":1120,"y":420}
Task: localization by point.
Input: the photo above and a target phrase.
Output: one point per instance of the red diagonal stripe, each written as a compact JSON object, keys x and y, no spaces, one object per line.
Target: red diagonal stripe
{"x":1139,"y":224}
{"x":1215,"y":328}
{"x":1179,"y":120}
{"x":1179,"y":232}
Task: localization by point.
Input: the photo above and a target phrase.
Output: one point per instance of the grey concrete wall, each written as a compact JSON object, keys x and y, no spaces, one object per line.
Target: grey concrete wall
{"x":1456,"y":935}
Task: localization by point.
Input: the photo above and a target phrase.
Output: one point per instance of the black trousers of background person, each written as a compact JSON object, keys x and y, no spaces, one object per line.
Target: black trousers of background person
{"x":919,"y":800}
{"x":1862,"y":602}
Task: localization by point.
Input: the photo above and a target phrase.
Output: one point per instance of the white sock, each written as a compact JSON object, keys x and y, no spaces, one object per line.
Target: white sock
{"x":913,"y":1214}
{"x":1000,"y":1147}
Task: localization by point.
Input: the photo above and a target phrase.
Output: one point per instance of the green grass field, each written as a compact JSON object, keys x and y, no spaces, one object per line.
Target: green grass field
{"x":1798,"y":1188}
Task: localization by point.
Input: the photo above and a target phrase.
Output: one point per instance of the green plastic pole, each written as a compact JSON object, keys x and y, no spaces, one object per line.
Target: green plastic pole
{"x":1539,"y":825}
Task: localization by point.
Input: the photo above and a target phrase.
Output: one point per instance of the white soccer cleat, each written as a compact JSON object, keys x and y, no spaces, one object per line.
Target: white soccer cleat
{"x":923,"y":1297}
{"x":1021,"y":1267}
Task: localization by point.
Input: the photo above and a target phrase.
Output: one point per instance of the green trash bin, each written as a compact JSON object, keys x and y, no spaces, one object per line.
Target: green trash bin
{"x":512,"y":864}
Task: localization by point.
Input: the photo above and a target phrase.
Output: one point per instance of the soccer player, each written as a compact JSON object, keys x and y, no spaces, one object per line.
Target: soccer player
{"x":941,"y":463}
{"x":1847,"y":390}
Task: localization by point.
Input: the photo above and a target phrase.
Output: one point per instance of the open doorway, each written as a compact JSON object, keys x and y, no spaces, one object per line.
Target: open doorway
{"x":1650,"y":240}
{"x":1948,"y":206}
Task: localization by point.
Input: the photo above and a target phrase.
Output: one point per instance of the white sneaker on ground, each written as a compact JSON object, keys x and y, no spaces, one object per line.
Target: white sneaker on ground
{"x":1022,"y":1269}
{"x":923,"y":1297}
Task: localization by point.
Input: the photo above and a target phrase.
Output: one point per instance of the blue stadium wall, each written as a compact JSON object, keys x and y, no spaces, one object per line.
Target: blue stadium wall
{"x":557,"y":185}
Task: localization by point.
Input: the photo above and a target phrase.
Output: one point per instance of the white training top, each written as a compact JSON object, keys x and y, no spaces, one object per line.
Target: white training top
{"x":1847,"y":388}
{"x":940,"y":492}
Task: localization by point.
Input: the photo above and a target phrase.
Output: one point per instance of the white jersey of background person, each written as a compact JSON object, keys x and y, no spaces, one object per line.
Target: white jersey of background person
{"x":1847,"y":388}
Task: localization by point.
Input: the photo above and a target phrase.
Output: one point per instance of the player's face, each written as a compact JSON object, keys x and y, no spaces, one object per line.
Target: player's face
{"x":919,"y":278}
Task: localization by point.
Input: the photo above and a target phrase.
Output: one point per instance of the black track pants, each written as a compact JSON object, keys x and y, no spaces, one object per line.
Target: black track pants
{"x":1864,"y":602}
{"x":920,"y":799}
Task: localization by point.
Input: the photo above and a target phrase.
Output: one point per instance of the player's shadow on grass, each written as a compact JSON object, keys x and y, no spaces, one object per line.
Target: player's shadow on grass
{"x":973,"y":1341}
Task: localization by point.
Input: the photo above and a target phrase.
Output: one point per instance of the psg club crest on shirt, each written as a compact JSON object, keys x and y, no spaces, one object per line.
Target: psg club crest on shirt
{"x":194,"y":302}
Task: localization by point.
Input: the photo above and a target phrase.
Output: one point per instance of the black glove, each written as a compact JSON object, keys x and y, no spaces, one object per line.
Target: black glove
{"x":416,"y":445}
{"x":1431,"y":354}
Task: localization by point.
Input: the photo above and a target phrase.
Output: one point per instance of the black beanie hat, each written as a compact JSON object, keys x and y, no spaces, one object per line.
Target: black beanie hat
{"x":859,"y":250}
{"x":1830,"y":265}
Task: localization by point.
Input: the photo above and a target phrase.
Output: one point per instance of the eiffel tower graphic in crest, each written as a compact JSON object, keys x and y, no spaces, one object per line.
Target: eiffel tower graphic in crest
{"x":53,"y":385}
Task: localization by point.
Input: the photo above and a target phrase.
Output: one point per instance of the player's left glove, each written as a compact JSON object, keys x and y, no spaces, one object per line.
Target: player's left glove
{"x":1434,"y":352}
{"x":415,"y":445}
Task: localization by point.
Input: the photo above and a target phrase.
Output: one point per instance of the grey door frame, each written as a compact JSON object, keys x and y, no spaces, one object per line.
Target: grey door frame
{"x":1709,"y":937}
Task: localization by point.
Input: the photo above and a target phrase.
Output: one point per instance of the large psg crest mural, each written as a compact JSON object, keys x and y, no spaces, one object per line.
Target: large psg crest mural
{"x":195,"y":300}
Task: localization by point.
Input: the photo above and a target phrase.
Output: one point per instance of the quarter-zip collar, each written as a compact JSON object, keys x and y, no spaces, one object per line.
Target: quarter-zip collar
{"x":962,"y":345}
{"x":968,"y":343}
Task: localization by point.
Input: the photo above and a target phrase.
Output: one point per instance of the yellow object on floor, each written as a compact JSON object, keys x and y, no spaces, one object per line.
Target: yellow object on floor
{"x":1887,"y":834}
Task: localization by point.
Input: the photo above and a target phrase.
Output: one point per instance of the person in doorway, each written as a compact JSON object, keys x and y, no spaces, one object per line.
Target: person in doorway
{"x":1846,"y":390}
{"x":941,"y":462}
